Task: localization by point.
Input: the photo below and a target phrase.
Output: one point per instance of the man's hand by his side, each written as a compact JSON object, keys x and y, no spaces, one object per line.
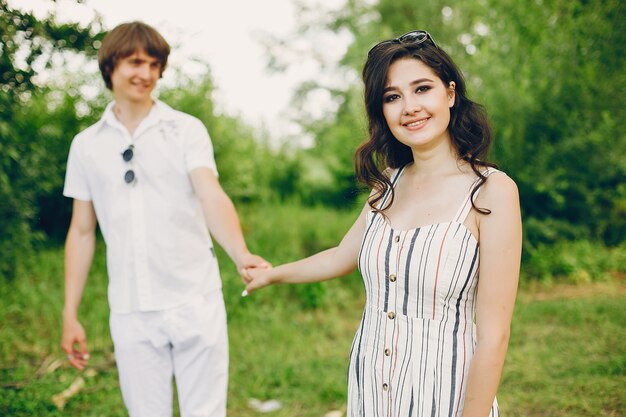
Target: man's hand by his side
{"x":74,"y":343}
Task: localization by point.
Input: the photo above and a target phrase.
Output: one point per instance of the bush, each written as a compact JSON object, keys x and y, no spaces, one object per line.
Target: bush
{"x":573,"y":262}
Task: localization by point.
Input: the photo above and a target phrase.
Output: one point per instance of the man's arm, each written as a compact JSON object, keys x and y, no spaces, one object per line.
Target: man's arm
{"x":222,"y":220}
{"x":79,"y":249}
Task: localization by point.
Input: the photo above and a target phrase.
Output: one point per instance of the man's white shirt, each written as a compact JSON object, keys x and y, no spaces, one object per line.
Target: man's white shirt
{"x":159,"y":251}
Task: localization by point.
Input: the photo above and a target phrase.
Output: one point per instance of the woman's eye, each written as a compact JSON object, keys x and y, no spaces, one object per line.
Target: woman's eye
{"x":422,"y":89}
{"x":389,"y":98}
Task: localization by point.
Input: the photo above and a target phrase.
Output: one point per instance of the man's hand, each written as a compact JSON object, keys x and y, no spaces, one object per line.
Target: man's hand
{"x":248,"y":261}
{"x":74,"y":343}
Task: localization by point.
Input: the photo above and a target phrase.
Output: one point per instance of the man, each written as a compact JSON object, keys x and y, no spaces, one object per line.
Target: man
{"x":146,"y":174}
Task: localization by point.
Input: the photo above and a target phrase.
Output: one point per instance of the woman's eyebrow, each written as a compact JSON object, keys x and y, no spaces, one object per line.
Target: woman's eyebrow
{"x":418,"y":81}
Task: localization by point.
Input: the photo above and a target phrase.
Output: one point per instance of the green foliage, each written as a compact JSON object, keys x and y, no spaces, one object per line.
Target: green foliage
{"x":25,"y":119}
{"x":579,"y":261}
{"x":28,"y":42}
{"x":50,"y":119}
{"x":551,"y":74}
{"x":328,"y":167}
{"x":561,"y":141}
{"x":251,"y":169}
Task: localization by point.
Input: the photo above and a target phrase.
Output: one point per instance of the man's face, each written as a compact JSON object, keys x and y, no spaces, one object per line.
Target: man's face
{"x":134,"y":77}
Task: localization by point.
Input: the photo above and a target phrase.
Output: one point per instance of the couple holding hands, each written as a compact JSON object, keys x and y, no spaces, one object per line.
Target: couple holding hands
{"x":438,"y":242}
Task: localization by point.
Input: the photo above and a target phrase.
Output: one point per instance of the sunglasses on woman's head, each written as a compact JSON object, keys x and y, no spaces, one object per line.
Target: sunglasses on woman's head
{"x":414,"y":37}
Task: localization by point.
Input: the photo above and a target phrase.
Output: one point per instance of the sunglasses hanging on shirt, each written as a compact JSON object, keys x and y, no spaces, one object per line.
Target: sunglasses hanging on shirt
{"x":127,"y":155}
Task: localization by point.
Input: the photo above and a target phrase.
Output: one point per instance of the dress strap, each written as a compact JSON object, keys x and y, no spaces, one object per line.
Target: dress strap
{"x":395,"y":176}
{"x":466,"y":206}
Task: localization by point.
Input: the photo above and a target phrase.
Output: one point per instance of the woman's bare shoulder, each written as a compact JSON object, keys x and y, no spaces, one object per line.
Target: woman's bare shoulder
{"x":499,"y":190}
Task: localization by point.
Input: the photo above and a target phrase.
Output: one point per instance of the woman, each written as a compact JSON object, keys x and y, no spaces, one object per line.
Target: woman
{"x":435,"y":328}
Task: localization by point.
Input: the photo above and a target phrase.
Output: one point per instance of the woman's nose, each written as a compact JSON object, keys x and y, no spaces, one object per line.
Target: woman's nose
{"x":412,"y":105}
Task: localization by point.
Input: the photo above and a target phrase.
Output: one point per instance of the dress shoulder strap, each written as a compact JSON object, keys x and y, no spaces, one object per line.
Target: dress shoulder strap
{"x":466,"y":205}
{"x":394,"y":177}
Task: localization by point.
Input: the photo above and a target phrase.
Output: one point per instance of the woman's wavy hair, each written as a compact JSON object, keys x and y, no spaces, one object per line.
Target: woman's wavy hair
{"x":469,"y":128}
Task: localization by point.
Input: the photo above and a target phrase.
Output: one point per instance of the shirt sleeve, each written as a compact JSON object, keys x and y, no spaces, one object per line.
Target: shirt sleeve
{"x":76,"y":184}
{"x":198,"y":147}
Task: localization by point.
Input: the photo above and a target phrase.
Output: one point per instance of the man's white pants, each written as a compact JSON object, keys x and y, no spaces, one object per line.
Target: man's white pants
{"x":188,"y":342}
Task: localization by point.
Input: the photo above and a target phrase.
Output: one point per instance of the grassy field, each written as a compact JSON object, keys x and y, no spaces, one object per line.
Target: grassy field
{"x":567,"y":355}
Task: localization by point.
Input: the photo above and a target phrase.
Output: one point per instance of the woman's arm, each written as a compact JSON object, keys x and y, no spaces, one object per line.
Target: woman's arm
{"x":331,"y":263}
{"x":500,"y":252}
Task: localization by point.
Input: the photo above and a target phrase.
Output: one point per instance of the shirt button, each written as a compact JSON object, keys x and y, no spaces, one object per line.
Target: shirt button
{"x":385,"y":387}
{"x":391,"y":315}
{"x":397,"y":239}
{"x":392,"y":278}
{"x":387,"y":352}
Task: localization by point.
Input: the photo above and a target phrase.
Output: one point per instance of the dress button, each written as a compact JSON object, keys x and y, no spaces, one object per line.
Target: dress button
{"x":391,"y":315}
{"x":397,"y":239}
{"x":392,"y":278}
{"x":387,"y":352}
{"x":385,"y":387}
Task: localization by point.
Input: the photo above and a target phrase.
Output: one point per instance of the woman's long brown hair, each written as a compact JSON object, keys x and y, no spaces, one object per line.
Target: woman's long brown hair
{"x":469,"y":127}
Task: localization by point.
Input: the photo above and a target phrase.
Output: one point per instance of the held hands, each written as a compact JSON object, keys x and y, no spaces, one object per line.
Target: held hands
{"x":258,"y":278}
{"x":74,"y":343}
{"x":249,"y":261}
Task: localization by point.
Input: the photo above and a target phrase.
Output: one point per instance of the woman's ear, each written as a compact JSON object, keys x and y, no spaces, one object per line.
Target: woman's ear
{"x":451,"y":93}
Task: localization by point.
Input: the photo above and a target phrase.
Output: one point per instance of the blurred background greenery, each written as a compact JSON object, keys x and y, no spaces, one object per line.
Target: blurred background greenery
{"x":552,"y":76}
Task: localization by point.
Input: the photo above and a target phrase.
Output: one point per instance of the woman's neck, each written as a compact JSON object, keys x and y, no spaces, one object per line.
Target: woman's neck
{"x":440,"y":160}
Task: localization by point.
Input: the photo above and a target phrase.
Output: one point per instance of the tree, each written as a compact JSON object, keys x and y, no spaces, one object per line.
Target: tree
{"x":551,"y":74}
{"x":28,"y":43}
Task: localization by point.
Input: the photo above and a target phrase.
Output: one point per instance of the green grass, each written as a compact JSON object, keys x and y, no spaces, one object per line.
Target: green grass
{"x":567,"y":355}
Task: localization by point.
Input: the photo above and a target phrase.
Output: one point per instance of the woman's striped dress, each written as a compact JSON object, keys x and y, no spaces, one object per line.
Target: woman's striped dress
{"x":412,"y":351}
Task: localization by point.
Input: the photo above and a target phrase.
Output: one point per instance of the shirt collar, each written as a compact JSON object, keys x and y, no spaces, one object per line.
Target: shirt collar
{"x":160,"y":112}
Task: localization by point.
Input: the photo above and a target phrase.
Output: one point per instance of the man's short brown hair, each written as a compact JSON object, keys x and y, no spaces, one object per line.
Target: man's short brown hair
{"x":126,"y":39}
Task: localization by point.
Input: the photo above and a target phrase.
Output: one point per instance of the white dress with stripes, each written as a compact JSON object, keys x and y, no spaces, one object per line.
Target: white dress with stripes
{"x":411,"y":354}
